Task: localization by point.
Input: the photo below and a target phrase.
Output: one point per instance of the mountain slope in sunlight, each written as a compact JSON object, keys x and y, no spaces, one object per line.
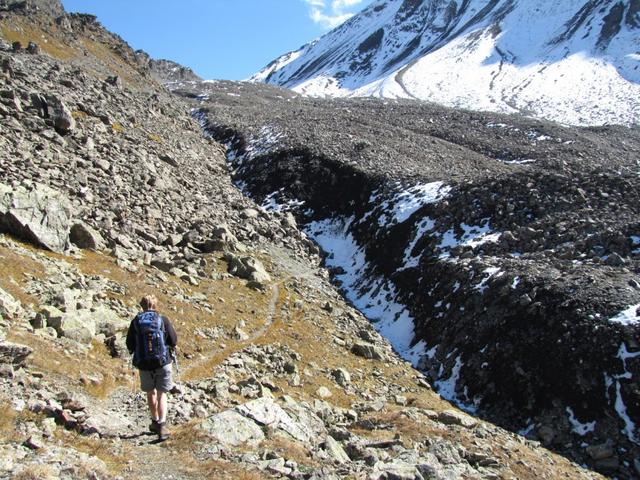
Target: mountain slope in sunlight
{"x":576,"y":61}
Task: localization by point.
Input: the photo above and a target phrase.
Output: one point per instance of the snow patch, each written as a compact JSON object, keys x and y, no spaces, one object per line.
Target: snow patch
{"x":407,"y":201}
{"x":271,"y":203}
{"x":447,"y":387}
{"x":373,"y":295}
{"x":629,"y":427}
{"x":580,"y":428}
{"x":489,"y":273}
{"x":628,"y":316}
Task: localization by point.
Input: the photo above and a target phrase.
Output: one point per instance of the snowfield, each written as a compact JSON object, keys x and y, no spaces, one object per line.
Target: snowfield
{"x":564,"y":61}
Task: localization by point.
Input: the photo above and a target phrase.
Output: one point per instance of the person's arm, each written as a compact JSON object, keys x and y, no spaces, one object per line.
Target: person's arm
{"x":131,"y":337}
{"x":171,"y":335}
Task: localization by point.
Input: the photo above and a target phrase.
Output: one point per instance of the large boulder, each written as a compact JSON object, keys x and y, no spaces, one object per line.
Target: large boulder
{"x":14,"y":353}
{"x":221,"y":240}
{"x":248,"y":268}
{"x":9,"y":306}
{"x":233,"y":429}
{"x":40,"y":216}
{"x":267,"y":412}
{"x":78,"y":325}
{"x":84,"y":236}
{"x":106,"y":423}
{"x":62,"y":118}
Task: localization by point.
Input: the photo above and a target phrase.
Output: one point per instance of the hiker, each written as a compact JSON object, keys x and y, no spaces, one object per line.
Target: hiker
{"x":149,"y":338}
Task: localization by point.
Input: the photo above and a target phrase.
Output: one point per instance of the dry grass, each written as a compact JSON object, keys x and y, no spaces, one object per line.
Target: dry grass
{"x":16,"y":269}
{"x":289,"y":450}
{"x":21,"y":30}
{"x":182,"y":444}
{"x":96,"y":447}
{"x":155,"y":138}
{"x":112,"y":61}
{"x":36,"y":472}
{"x":7,"y":419}
{"x":56,"y":358}
{"x":118,"y":128}
{"x":79,"y":114}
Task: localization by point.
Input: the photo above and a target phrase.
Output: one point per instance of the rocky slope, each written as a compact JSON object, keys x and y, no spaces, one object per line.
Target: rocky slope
{"x":116,"y":192}
{"x":498,"y":254}
{"x":574,"y":61}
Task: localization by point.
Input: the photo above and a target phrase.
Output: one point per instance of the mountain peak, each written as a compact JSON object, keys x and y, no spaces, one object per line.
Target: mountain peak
{"x":575,"y":62}
{"x":53,"y":8}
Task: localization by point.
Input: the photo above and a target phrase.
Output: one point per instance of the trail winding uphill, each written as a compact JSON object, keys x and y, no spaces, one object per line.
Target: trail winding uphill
{"x":488,"y":249}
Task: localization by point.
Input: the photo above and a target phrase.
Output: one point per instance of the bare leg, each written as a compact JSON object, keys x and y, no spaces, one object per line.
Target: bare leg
{"x":162,"y":406}
{"x":152,"y":401}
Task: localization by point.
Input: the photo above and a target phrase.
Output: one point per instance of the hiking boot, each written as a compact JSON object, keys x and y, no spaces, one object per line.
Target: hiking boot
{"x":154,"y":427}
{"x":163,"y":432}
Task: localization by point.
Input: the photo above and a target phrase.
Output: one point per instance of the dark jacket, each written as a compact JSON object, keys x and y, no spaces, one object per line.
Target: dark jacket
{"x":170,"y":338}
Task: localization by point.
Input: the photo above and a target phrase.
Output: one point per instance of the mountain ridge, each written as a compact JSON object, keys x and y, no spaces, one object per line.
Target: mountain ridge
{"x":504,"y":56}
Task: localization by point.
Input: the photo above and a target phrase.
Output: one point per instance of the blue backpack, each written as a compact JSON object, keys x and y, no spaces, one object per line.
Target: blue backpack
{"x":151,"y":348}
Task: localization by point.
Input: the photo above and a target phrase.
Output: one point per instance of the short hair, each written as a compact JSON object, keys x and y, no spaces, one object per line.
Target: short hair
{"x":149,"y":302}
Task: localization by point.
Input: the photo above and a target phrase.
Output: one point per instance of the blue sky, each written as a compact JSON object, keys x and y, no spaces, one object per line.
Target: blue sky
{"x":218,"y":39}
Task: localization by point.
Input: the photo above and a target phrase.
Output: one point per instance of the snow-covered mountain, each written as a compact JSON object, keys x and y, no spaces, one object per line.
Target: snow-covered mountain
{"x":574,"y":61}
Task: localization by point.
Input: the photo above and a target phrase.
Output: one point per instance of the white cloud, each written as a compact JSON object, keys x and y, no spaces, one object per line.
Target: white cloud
{"x":333,"y":14}
{"x":341,"y":4}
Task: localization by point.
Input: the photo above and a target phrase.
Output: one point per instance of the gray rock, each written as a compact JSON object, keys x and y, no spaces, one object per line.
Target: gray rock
{"x":248,"y":268}
{"x":368,"y":351}
{"x":335,"y":451}
{"x":267,"y":412}
{"x":61,"y":115}
{"x":601,"y":451}
{"x":14,"y":353}
{"x":106,"y":423}
{"x":33,"y":48}
{"x":323,"y":392}
{"x":232,"y":429}
{"x":84,"y":236}
{"x":77,"y":325}
{"x":222,"y":240}
{"x":341,"y":376}
{"x":615,"y":260}
{"x":9,"y":306}
{"x":108,"y":322}
{"x":546,"y":434}
{"x":454,"y":417}
{"x":41,"y":216}
{"x":48,"y":316}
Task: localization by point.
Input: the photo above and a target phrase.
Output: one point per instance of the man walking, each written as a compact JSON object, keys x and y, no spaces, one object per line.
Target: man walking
{"x":149,"y":338}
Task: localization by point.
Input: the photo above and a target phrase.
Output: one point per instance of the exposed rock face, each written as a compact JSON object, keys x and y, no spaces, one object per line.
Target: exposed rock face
{"x":167,"y":71}
{"x":40,"y":215}
{"x":233,"y":429}
{"x":48,"y":7}
{"x":84,"y":236}
{"x":13,"y":353}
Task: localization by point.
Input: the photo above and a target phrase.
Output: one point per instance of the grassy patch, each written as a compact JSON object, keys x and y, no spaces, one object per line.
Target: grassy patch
{"x":79,"y":114}
{"x":36,"y":472}
{"x":57,"y":358}
{"x":23,"y":31}
{"x":290,"y":450}
{"x":118,"y":128}
{"x":95,"y":447}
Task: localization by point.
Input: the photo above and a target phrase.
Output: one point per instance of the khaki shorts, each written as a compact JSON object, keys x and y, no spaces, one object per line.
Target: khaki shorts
{"x":158,"y":379}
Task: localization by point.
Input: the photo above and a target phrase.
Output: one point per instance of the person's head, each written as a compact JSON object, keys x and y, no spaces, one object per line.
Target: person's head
{"x":149,"y":302}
